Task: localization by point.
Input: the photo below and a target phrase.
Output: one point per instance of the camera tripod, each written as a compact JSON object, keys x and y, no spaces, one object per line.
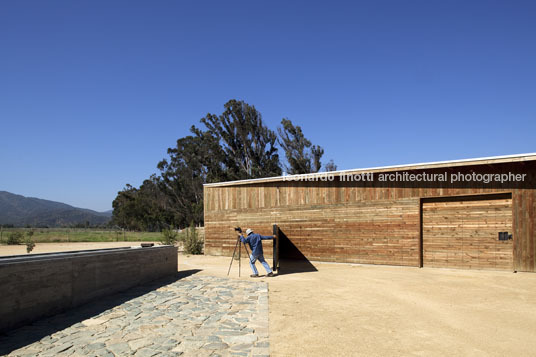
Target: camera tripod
{"x":239,"y":245}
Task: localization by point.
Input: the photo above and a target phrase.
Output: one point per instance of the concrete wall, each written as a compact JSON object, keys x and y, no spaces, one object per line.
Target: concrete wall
{"x":44,"y":284}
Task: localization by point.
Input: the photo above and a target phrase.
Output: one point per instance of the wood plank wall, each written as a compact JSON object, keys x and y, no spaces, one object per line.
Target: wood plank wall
{"x":376,"y":232}
{"x":365,"y":222}
{"x":464,"y":233}
{"x":524,"y":211}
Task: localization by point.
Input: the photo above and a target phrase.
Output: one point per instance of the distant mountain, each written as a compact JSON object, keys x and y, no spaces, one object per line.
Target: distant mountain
{"x":21,"y":211}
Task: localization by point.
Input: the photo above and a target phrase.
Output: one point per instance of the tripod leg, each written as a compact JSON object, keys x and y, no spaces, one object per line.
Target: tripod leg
{"x":232,"y":258}
{"x":247,"y":252}
{"x":239,"y":256}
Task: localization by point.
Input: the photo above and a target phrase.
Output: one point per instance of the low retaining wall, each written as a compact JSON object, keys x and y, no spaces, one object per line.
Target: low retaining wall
{"x":39,"y":285}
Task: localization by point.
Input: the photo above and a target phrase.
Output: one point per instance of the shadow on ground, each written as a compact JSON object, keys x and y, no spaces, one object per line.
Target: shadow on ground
{"x":291,"y":259}
{"x":35,"y":331}
{"x":295,"y":266}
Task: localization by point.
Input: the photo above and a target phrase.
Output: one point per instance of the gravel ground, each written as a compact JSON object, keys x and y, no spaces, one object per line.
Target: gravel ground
{"x":192,"y":316}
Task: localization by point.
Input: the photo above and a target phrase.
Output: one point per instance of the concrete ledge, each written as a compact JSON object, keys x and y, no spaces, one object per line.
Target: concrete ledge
{"x":38,"y":285}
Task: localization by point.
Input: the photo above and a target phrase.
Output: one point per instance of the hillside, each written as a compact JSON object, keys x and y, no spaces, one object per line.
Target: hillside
{"x":21,"y":211}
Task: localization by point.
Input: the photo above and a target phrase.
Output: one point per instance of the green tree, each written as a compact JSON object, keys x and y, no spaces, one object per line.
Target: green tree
{"x":143,"y":209}
{"x":15,"y":238}
{"x":330,"y":166}
{"x":169,"y":237}
{"x":235,"y":145}
{"x":30,"y":244}
{"x":302,"y":156}
{"x":126,"y":213}
{"x":195,"y":160}
{"x":231,"y":146}
{"x":248,"y":145}
{"x":176,"y":196}
{"x":192,"y":243}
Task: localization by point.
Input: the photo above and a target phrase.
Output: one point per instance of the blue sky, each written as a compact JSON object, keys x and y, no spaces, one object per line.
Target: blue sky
{"x":92,"y":93}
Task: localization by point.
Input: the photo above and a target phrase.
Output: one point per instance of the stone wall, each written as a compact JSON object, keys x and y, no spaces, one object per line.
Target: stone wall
{"x":45,"y":284}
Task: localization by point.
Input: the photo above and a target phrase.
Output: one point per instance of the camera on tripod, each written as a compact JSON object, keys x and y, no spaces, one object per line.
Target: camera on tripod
{"x":239,"y":246}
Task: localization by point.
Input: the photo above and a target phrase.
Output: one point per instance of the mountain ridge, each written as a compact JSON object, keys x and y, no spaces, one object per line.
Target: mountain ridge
{"x":21,"y":211}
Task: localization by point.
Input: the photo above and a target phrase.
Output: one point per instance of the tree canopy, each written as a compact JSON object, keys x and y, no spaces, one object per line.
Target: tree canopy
{"x":249,"y":145}
{"x":231,"y":146}
{"x":302,"y":156}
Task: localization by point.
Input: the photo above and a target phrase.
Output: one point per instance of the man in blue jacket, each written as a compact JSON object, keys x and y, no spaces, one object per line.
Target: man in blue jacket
{"x":255,"y":243}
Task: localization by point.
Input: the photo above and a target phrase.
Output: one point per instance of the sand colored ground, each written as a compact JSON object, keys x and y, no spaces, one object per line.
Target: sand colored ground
{"x":364,"y":310}
{"x":63,"y":247}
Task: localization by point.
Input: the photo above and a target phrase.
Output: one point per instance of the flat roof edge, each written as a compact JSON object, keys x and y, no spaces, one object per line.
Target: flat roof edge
{"x":435,"y":164}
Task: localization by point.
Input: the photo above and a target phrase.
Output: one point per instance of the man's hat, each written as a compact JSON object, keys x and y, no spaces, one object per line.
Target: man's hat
{"x":249,"y":231}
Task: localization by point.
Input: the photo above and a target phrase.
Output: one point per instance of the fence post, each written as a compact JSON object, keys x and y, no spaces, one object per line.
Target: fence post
{"x":275,"y":254}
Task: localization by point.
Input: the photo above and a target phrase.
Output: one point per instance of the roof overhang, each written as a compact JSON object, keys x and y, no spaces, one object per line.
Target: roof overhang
{"x":420,"y":166}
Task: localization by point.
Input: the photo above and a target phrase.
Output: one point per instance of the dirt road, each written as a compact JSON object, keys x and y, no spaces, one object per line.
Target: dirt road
{"x":63,"y":247}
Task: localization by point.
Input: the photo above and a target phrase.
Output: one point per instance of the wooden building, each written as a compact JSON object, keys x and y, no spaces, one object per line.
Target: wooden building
{"x":471,"y":214}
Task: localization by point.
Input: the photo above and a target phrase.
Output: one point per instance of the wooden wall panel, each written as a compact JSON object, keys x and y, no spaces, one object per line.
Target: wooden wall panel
{"x":464,"y":234}
{"x":524,"y":211}
{"x":375,"y":232}
{"x":317,"y":213}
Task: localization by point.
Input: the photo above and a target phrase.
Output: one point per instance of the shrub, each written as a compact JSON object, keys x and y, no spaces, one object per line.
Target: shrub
{"x":15,"y":238}
{"x":29,"y":242}
{"x":169,"y":237}
{"x":192,"y":243}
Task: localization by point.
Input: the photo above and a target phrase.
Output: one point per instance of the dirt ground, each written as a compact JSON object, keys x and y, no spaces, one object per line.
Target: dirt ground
{"x":366,"y":310}
{"x":63,"y":247}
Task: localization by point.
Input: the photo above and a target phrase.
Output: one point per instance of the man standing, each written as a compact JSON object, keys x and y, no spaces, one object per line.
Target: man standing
{"x":254,"y":241}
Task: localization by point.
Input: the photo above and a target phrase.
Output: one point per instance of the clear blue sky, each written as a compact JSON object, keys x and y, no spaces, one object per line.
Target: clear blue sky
{"x":92,"y":93}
